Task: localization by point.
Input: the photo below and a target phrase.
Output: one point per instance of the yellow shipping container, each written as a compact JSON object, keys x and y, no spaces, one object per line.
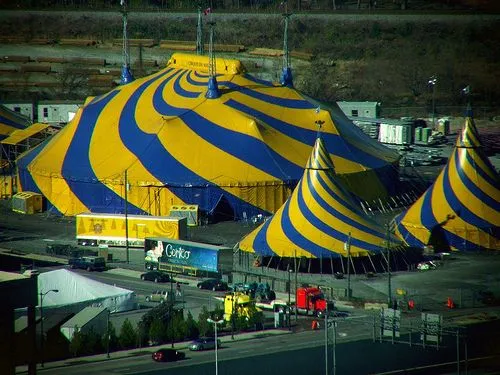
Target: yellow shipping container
{"x":110,"y":229}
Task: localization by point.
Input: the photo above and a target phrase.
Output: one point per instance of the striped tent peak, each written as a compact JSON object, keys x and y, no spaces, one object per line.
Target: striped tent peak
{"x":468,"y":137}
{"x":318,"y":218}
{"x":320,"y":158}
{"x":463,"y":204}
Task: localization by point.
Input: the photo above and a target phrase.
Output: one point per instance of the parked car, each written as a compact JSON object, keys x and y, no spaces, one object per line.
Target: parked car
{"x":204,"y":343}
{"x":89,"y":263}
{"x":213,"y":284}
{"x":158,"y":296}
{"x":427,"y":265}
{"x":168,"y":355}
{"x":156,"y":276}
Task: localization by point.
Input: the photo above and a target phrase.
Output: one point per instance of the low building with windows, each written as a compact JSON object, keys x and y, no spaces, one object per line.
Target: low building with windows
{"x":57,"y":112}
{"x":27,"y":109}
{"x":360,"y":109}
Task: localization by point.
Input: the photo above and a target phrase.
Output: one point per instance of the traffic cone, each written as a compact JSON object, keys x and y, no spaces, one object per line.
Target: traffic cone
{"x":314,"y":325}
{"x":450,"y":303}
{"x":411,"y":304}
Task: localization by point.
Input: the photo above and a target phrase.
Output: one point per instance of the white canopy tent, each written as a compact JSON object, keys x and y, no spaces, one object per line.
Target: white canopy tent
{"x":79,"y":291}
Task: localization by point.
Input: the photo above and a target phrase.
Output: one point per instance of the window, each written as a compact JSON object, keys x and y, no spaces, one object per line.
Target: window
{"x":45,"y":112}
{"x":354,"y":112}
{"x":17,"y":109}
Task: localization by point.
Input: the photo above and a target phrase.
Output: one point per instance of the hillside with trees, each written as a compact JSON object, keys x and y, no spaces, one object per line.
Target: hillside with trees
{"x":374,"y":56}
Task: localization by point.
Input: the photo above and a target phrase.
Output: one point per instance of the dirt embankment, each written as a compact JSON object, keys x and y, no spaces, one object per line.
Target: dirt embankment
{"x":361,"y":56}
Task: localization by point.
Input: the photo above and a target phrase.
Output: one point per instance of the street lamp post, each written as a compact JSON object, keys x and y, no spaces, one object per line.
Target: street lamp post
{"x":296,"y":281}
{"x":348,"y":249}
{"x":42,"y":295}
{"x":172,"y":308}
{"x":289,"y":298}
{"x":126,"y":218}
{"x":331,"y":323}
{"x":215,"y":322}
{"x":108,"y":334}
{"x":389,"y":287}
{"x":432,"y":81}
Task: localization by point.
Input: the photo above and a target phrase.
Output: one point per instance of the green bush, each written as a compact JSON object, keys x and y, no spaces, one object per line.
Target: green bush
{"x":85,"y":344}
{"x":128,"y":336}
{"x":113,"y":339}
{"x":192,"y":330}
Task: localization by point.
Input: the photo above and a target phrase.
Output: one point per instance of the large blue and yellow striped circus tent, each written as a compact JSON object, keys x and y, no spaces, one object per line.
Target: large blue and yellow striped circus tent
{"x":10,"y":121}
{"x":320,"y":220}
{"x":237,"y":155}
{"x":461,"y":210}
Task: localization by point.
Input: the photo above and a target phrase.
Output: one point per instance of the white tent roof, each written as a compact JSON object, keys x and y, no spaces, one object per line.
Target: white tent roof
{"x":75,"y":289}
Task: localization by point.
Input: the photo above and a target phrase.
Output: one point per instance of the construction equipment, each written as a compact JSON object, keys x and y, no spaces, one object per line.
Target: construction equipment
{"x":239,"y":304}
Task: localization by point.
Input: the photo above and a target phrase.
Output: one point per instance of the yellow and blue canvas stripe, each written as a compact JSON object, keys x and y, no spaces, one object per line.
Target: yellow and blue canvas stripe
{"x":317,"y":219}
{"x":142,"y":119}
{"x":10,"y":121}
{"x":464,"y":201}
{"x":172,"y":170}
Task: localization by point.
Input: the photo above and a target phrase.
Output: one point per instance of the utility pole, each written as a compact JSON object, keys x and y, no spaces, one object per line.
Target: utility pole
{"x":389,"y":289}
{"x":334,"y":347}
{"x":348,"y":248}
{"x":200,"y":45}
{"x":286,"y":74}
{"x":458,"y":351}
{"x":232,"y":316}
{"x":213,"y":87}
{"x":326,"y":343}
{"x":432,"y":82}
{"x":126,"y":75}
{"x":289,"y":297}
{"x":108,"y":335}
{"x":295,"y":268}
{"x":172,"y":308}
{"x":42,"y":336}
{"x":126,"y":217}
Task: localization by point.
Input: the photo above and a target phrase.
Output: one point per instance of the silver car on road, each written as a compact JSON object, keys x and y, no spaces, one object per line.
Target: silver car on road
{"x":204,"y":343}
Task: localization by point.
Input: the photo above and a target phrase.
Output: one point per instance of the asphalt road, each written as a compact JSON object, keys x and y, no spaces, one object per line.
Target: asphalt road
{"x":192,"y":299}
{"x":358,"y":350}
{"x":290,"y":354}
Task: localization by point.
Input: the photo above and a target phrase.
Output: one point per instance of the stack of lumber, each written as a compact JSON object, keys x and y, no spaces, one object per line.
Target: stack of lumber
{"x":136,"y":42}
{"x":78,"y":42}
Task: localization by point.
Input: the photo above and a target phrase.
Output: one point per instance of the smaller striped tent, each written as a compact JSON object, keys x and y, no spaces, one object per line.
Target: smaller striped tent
{"x":10,"y":121}
{"x":318,"y":219}
{"x":461,"y":210}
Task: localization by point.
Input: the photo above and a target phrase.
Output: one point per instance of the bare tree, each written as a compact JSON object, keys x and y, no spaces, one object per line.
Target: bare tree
{"x":72,"y":83}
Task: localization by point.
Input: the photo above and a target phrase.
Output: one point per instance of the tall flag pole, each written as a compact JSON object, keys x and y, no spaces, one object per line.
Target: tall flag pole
{"x":200,"y":47}
{"x":286,"y":74}
{"x":126,"y":76}
{"x":213,"y":88}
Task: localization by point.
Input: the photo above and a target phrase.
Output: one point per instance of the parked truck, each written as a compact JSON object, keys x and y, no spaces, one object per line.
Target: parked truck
{"x":310,"y":300}
{"x":89,"y":263}
{"x":110,"y":229}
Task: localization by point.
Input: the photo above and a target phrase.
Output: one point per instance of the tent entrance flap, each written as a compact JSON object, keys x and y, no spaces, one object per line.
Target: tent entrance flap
{"x":222,"y":210}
